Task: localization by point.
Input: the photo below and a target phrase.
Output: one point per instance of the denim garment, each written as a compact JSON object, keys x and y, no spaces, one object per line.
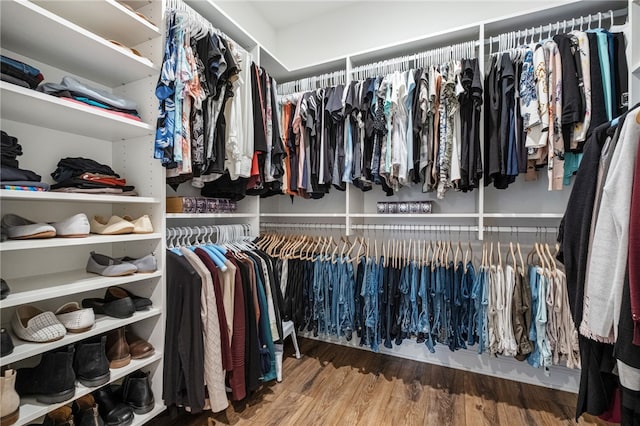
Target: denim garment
{"x":480,"y":297}
{"x":469,"y":312}
{"x":358,"y":321}
{"x":370,"y":294}
{"x":404,"y":312}
{"x":534,"y":282}
{"x":459,"y":308}
{"x":318,"y":296}
{"x":346,"y":303}
{"x":424,"y":324}
{"x":414,"y":282}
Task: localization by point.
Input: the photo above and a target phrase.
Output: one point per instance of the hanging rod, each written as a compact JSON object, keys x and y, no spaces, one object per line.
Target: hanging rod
{"x":311,"y":83}
{"x":539,"y":30}
{"x":416,"y":228}
{"x":461,"y":50}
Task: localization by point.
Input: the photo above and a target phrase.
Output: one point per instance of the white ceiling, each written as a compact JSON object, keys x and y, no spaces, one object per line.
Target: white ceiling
{"x":280,"y":14}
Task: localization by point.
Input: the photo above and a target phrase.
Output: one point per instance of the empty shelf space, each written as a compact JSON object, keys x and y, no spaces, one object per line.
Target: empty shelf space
{"x":73,"y":48}
{"x":36,"y":108}
{"x":106,"y":18}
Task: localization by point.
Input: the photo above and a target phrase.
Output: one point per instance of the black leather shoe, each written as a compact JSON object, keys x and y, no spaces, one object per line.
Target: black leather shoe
{"x":85,"y":412}
{"x":52,"y":381}
{"x":114,"y":413}
{"x":90,"y":363}
{"x":6,"y":344}
{"x":137,"y":393}
{"x":115,"y":293}
{"x":4,"y":289}
{"x":118,"y":308}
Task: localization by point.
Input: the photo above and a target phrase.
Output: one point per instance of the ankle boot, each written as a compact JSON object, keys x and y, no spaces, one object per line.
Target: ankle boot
{"x":59,"y":417}
{"x":52,"y":381}
{"x":90,"y":363}
{"x":118,"y":349}
{"x":137,"y":393}
{"x":6,"y":344}
{"x":9,"y":399}
{"x":114,"y":412}
{"x":86,"y":413}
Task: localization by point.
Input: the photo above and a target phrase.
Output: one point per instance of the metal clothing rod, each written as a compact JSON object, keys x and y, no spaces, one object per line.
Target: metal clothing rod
{"x":417,"y":228}
{"x":567,"y":23}
{"x":303,"y":225}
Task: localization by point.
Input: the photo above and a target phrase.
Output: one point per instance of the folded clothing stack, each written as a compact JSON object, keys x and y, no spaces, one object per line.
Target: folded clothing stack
{"x":16,"y":72}
{"x":76,"y":91}
{"x":11,"y":175}
{"x":88,"y":176}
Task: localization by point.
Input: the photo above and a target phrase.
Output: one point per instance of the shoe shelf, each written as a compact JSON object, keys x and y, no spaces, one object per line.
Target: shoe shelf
{"x":107,"y":18}
{"x":67,"y":46}
{"x":7,"y":194}
{"x":104,"y":324}
{"x":12,"y":245}
{"x":39,"y":109}
{"x":31,"y":410}
{"x":415,"y":215}
{"x":45,"y":287}
{"x":141,"y":419}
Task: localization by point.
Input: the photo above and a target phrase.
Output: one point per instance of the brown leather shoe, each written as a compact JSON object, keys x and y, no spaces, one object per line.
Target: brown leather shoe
{"x":138,"y":347}
{"x":118,"y":349}
{"x":59,"y":417}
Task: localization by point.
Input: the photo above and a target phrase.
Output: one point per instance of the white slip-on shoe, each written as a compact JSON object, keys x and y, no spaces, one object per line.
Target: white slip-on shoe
{"x":109,"y":267}
{"x":145,"y":265}
{"x":75,"y":226}
{"x":142,"y":225}
{"x":114,"y":226}
{"x":19,"y":228}
{"x":33,"y":325}
{"x":75,"y":318}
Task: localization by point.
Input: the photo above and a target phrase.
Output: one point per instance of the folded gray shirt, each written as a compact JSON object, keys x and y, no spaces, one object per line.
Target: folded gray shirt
{"x":72,"y":85}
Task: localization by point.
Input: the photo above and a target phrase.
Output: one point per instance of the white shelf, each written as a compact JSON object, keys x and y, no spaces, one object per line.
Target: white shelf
{"x":11,"y":245}
{"x":313,"y":215}
{"x":524,"y":215}
{"x":28,"y":106}
{"x":62,"y":44}
{"x":104,"y":324}
{"x":49,"y":286}
{"x":141,"y":419}
{"x":209,"y":215}
{"x":7,"y":194}
{"x":636,"y":68}
{"x":106,"y":18}
{"x":30,"y":409}
{"x":415,"y":216}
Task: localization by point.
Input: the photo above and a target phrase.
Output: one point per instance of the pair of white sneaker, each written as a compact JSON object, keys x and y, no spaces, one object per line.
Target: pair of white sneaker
{"x":20,"y":228}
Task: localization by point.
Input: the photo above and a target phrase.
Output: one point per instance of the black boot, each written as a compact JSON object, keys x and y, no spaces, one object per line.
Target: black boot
{"x":52,"y":381}
{"x":90,"y":363}
{"x":137,"y":393}
{"x":6,"y":344}
{"x":113,"y":412}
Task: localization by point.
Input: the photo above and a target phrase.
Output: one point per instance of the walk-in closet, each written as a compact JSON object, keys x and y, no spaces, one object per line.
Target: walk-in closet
{"x":310,"y":212}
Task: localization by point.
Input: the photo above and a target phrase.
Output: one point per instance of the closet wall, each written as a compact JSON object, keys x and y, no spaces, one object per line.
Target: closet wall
{"x":524,"y":206}
{"x":72,"y":38}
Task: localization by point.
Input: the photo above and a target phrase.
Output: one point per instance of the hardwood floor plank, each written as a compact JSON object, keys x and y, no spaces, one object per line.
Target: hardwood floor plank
{"x":335,"y":385}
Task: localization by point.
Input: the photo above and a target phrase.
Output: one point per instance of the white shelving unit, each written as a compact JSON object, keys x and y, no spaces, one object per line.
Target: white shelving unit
{"x":205,"y":216}
{"x":72,"y":38}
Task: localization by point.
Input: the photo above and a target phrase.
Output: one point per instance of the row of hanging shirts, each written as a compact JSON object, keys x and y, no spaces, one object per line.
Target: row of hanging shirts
{"x":396,"y":127}
{"x":544,"y":98}
{"x":433,"y":291}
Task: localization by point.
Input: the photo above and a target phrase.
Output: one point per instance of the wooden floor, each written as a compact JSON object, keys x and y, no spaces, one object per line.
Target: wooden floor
{"x":334,"y":385}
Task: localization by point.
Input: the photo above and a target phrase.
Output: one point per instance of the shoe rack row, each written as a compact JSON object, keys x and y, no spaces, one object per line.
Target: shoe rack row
{"x":83,"y":274}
